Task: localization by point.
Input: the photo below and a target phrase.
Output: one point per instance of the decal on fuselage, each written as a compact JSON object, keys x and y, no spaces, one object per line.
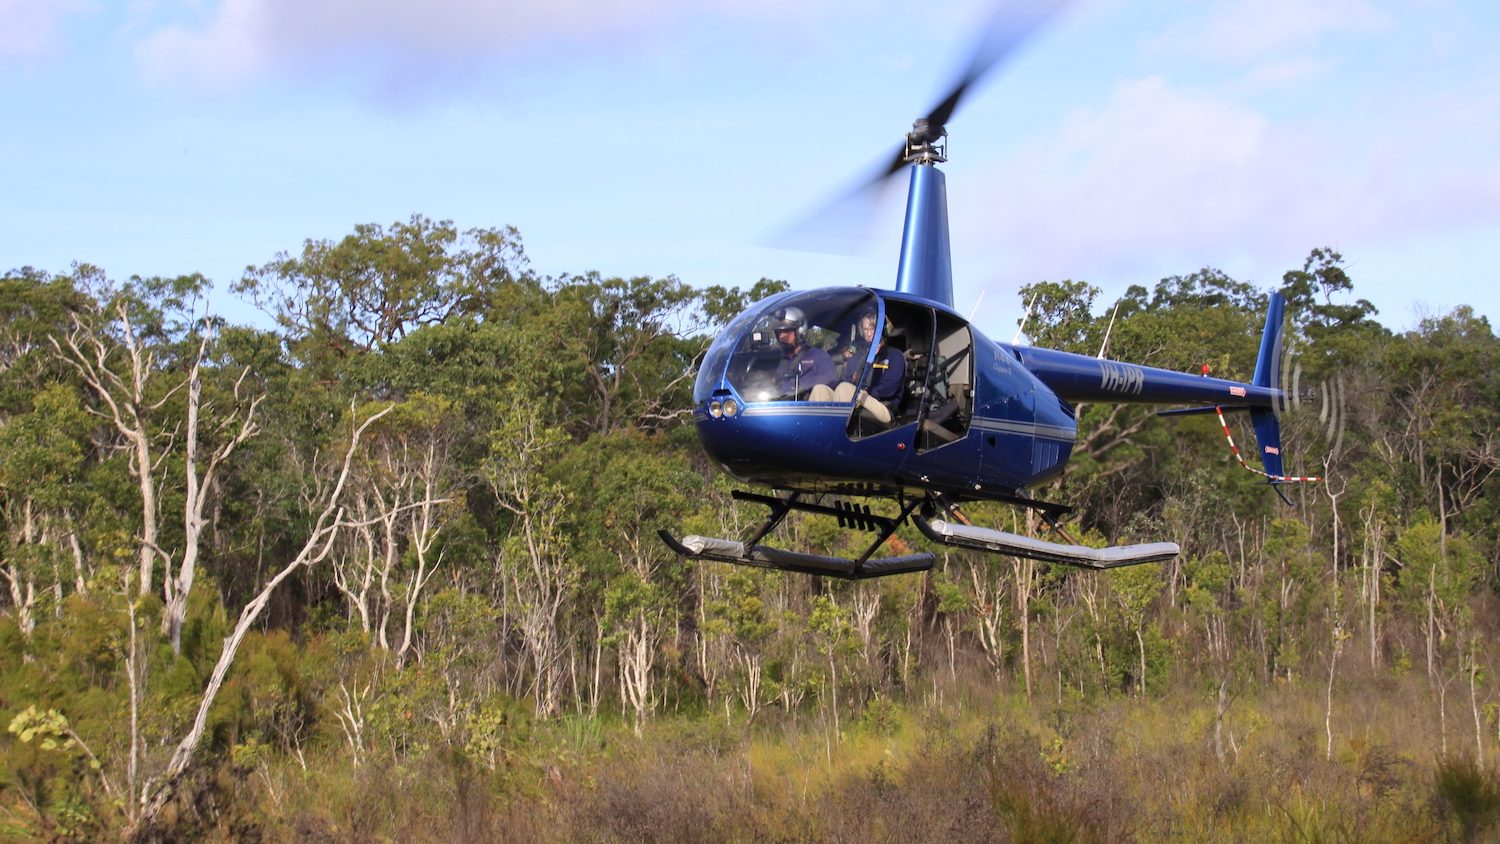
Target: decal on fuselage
{"x":1122,"y":378}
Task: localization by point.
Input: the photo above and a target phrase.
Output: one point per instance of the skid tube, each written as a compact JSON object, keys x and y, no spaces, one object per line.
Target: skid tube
{"x":849,"y":515}
{"x":958,"y":532}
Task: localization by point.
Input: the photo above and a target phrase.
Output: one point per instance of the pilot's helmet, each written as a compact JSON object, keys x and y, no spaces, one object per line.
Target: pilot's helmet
{"x":789,"y":318}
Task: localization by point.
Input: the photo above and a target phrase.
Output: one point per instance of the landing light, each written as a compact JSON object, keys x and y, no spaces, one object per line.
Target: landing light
{"x":731,"y":407}
{"x":715,"y":409}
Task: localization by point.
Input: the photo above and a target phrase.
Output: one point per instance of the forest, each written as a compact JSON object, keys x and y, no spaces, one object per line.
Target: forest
{"x":386,"y":568}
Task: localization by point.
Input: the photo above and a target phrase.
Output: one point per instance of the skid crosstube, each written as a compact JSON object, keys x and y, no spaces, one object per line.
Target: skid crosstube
{"x":738,"y":553}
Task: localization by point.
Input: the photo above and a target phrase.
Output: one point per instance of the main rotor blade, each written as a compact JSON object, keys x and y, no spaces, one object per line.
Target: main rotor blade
{"x":838,"y":226}
{"x":1011,"y":25}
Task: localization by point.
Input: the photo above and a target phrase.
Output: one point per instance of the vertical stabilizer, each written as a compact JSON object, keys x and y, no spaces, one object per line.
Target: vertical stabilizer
{"x":1267,"y":374}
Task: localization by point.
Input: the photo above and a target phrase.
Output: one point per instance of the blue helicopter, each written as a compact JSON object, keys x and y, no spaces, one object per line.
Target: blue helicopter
{"x":923,"y":409}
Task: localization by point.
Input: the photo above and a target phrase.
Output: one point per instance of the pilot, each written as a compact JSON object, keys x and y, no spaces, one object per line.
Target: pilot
{"x":804,"y":368}
{"x":888,"y":372}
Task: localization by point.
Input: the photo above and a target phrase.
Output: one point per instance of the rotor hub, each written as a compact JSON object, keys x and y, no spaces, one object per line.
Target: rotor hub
{"x":926,"y":144}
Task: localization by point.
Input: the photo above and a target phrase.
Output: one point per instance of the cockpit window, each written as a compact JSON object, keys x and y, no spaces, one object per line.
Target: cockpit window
{"x":785,"y":348}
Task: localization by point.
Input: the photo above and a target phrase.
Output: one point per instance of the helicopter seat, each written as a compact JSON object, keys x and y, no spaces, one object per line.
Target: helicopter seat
{"x":935,"y":425}
{"x":914,"y":391}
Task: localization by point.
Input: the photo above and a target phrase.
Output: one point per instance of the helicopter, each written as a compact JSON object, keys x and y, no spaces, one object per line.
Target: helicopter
{"x":927,"y":412}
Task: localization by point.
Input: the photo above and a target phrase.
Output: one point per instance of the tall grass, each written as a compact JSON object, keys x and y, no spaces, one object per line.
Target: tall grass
{"x":1003,"y":769}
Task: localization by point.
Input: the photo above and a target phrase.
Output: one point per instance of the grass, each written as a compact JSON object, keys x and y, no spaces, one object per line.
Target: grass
{"x":1003,"y":769}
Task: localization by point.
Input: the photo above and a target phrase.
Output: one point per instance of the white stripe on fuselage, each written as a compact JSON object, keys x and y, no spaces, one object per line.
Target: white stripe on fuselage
{"x":998,"y":426}
{"x":1006,"y":426}
{"x":799,"y":409}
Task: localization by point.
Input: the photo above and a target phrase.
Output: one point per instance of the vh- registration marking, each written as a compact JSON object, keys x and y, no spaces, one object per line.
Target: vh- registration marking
{"x":1122,"y":378}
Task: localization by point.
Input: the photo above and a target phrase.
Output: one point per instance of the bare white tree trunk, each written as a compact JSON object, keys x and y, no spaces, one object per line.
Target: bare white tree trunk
{"x":989,"y":612}
{"x":425,"y":523}
{"x":319,"y":543}
{"x":197,"y":489}
{"x":351,"y":717}
{"x":87,"y":350}
{"x":1025,"y":574}
{"x":542,"y":580}
{"x":132,"y":677}
{"x":22,"y":587}
{"x":637,"y":658}
{"x":1333,"y":661}
{"x":355,"y":566}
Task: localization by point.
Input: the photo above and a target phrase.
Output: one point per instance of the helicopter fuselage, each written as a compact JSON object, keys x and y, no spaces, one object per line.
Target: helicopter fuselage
{"x":975,"y":418}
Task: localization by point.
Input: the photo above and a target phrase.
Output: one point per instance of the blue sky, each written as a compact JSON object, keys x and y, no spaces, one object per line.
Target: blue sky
{"x":1126,"y":142}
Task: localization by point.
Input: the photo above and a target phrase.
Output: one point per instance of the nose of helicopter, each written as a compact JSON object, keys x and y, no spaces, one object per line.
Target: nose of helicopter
{"x":801,"y":445}
{"x":775,"y":441}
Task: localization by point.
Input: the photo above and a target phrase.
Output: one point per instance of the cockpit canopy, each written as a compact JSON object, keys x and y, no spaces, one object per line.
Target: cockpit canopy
{"x":750,"y":357}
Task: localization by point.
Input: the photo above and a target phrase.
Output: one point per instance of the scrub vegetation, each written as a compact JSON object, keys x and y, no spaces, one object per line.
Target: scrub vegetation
{"x":389,"y":571}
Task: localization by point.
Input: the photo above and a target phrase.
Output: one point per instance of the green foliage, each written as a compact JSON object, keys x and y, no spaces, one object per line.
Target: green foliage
{"x":556,"y":410}
{"x":50,"y":726}
{"x":1470,"y":792}
{"x":377,"y":285}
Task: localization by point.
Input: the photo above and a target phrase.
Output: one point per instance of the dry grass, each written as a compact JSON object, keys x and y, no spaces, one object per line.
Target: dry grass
{"x":1122,"y":769}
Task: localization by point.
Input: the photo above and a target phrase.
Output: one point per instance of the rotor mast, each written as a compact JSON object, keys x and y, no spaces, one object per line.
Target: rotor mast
{"x":926,"y":265}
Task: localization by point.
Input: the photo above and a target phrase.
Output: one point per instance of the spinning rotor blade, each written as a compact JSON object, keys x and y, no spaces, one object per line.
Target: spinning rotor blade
{"x":1010,"y":27}
{"x":840,"y":223}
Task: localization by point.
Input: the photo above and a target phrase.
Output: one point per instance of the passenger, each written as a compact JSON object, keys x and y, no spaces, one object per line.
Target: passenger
{"x":888,"y":373}
{"x":804,"y":369}
{"x":850,"y":359}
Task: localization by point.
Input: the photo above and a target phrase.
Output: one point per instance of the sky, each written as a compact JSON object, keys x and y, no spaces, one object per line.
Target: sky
{"x":1126,"y":141}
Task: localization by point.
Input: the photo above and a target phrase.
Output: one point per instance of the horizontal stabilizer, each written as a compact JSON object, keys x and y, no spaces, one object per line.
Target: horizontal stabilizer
{"x":1000,"y":542}
{"x":730,"y":551}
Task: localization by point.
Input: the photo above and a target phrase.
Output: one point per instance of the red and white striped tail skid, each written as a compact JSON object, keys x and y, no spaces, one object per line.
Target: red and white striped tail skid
{"x":1283,"y":479}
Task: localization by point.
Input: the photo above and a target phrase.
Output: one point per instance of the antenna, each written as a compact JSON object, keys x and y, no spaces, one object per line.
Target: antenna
{"x":1019,"y":331}
{"x":1105,"y":344}
{"x":975,"y":309}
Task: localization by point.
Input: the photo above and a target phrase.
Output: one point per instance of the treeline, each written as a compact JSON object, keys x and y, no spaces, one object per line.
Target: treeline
{"x":415,"y":525}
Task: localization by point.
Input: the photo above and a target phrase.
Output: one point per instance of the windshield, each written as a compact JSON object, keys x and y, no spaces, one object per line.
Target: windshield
{"x":784,"y":346}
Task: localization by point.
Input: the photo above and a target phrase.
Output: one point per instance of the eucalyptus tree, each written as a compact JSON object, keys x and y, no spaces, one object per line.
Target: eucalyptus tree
{"x":376,"y":285}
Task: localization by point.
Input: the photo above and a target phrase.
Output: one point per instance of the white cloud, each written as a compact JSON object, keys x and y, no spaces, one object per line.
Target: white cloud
{"x":1251,"y":29}
{"x":234,"y":47}
{"x":249,"y":37}
{"x":1159,"y":173}
{"x":28,"y":28}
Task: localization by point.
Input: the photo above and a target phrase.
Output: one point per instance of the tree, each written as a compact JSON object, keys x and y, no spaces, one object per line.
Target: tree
{"x":117,"y":350}
{"x":634,"y":340}
{"x":326,"y":498}
{"x":42,"y":456}
{"x":230,"y":429}
{"x":539,"y":576}
{"x":376,"y":285}
{"x":406,"y":493}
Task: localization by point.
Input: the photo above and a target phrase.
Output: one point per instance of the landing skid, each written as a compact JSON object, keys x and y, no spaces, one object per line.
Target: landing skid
{"x":955,"y":532}
{"x":730,"y":551}
{"x":749,"y":553}
{"x":1082,"y":556}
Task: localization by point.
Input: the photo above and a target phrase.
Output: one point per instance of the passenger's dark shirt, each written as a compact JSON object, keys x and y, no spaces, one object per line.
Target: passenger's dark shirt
{"x":887,"y":373}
